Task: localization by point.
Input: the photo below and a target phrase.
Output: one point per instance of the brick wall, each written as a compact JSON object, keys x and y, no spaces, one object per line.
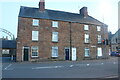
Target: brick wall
{"x":45,"y":38}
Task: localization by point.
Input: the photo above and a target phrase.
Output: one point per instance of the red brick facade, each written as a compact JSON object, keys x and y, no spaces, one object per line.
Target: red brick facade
{"x":70,"y":34}
{"x":45,"y":38}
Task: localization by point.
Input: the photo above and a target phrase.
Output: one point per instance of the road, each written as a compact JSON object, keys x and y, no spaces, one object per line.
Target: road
{"x":62,"y":69}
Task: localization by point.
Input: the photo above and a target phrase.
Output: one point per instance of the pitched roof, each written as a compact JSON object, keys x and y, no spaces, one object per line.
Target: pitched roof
{"x":29,"y":12}
{"x":117,"y":34}
{"x":8,"y":44}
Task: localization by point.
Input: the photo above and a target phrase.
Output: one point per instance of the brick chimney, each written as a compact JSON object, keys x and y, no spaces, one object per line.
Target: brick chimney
{"x":42,"y":5}
{"x":84,"y":12}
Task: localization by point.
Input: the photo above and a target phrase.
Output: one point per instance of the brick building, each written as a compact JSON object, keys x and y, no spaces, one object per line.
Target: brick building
{"x":115,"y":41}
{"x":50,"y":34}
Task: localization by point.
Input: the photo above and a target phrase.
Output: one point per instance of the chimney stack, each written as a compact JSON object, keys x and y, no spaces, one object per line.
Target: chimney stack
{"x":84,"y":12}
{"x":42,"y":5}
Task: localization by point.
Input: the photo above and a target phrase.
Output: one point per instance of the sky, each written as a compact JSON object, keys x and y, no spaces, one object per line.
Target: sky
{"x":103,"y":10}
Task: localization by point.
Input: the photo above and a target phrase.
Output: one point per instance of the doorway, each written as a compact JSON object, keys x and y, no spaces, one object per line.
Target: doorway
{"x":25,"y":53}
{"x":67,"y":53}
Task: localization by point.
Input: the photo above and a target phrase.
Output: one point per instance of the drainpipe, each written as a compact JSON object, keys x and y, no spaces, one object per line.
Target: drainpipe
{"x":70,"y":42}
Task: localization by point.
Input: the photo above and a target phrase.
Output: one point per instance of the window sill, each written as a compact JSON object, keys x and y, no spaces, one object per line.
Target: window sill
{"x":35,"y":25}
{"x":55,"y":41}
{"x":34,"y":40}
{"x":34,"y":57}
{"x":87,"y":57}
{"x":86,"y":43}
{"x":54,"y":57}
{"x":99,"y":43}
{"x":54,"y":27}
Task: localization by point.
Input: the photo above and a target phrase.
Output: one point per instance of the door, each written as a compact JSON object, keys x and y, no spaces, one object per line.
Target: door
{"x":26,"y":52}
{"x":67,"y":54}
{"x":73,"y":54}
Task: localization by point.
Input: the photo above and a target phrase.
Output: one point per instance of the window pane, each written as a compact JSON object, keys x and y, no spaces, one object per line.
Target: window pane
{"x":86,"y":27}
{"x":86,"y":38}
{"x":98,"y":28}
{"x":54,"y":24}
{"x":54,"y":51}
{"x":99,"y":39}
{"x":99,"y":51}
{"x":35,"y":22}
{"x":35,"y":35}
{"x":87,"y":52}
{"x":5,"y":51}
{"x":55,"y":36}
{"x":35,"y":51}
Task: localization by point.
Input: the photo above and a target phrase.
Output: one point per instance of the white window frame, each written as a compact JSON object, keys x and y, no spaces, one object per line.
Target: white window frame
{"x":86,"y":38}
{"x":35,"y":22}
{"x":35,"y":35}
{"x":99,"y":51}
{"x":87,"y":52}
{"x":5,"y":51}
{"x":86,"y":27}
{"x":54,"y":51}
{"x":98,"y":28}
{"x":33,"y":47}
{"x":55,"y":24}
{"x":54,"y":36}
{"x":99,"y":39}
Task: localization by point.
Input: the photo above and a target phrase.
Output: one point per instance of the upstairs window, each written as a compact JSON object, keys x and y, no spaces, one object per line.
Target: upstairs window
{"x":99,"y":39}
{"x":35,"y":22}
{"x":55,"y":51}
{"x":34,"y":35}
{"x":86,"y":27}
{"x":55,"y":36}
{"x":34,"y":51}
{"x":87,"y":52}
{"x":86,"y":38}
{"x":98,"y":28}
{"x":54,"y":24}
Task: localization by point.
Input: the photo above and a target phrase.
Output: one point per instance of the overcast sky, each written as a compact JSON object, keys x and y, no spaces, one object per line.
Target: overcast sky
{"x":104,"y":10}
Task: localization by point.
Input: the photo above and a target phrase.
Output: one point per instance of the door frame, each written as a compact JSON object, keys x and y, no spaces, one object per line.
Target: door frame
{"x":25,"y":47}
{"x":69,"y":52}
{"x":73,"y":54}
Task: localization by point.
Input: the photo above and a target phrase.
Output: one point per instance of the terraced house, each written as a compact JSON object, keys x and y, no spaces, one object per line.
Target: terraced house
{"x":45,"y":34}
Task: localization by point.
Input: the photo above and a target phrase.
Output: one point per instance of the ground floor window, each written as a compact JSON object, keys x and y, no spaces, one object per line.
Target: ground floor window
{"x":55,"y":51}
{"x":34,"y":51}
{"x":87,"y":52}
{"x":5,"y":51}
{"x":99,"y":51}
